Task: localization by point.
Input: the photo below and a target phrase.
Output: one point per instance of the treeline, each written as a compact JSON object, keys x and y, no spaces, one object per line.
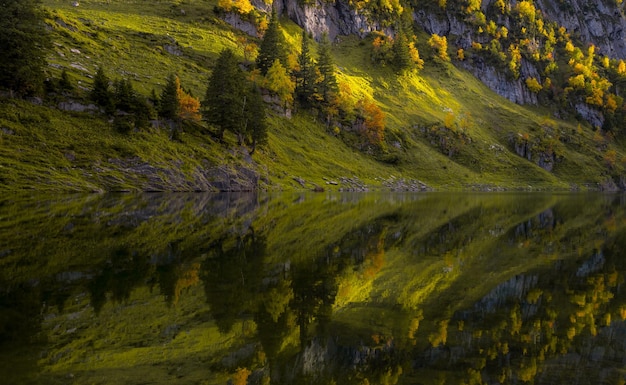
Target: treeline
{"x":237,"y":93}
{"x":516,"y":38}
{"x":23,"y":44}
{"x":302,"y":81}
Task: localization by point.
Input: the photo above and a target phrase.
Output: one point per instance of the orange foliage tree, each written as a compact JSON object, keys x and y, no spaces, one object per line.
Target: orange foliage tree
{"x":373,"y":127}
{"x":188,"y":106}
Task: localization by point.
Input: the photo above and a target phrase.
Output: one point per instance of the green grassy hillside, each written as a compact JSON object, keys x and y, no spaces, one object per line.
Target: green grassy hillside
{"x":145,"y":41}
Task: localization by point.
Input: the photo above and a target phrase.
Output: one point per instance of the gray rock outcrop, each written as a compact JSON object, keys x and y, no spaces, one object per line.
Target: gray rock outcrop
{"x":602,"y":22}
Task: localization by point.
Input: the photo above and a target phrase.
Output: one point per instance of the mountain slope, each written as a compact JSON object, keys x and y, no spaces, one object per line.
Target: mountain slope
{"x":444,"y":128}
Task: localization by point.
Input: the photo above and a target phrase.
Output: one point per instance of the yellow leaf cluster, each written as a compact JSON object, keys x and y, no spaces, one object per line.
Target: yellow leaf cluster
{"x":440,"y":45}
{"x":533,"y":85}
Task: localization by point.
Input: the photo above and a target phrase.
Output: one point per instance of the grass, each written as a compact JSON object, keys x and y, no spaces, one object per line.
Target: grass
{"x":146,"y":41}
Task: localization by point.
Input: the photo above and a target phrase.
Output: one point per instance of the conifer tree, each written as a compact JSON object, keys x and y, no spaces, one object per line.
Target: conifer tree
{"x":129,"y":101}
{"x":223,"y":104}
{"x":272,"y":46}
{"x":305,"y":75}
{"x":169,"y":103}
{"x":401,"y":53}
{"x":124,"y":95}
{"x":101,"y":92}
{"x":327,"y":85}
{"x":23,"y":45}
{"x":65,"y":84}
{"x":256,"y":129}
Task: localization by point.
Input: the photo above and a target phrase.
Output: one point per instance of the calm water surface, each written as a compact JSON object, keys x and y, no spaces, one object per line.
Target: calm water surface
{"x":313,"y":289}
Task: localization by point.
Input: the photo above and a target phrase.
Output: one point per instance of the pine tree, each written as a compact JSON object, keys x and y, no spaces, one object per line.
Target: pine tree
{"x":65,"y":84}
{"x":23,"y":45}
{"x":124,"y":95}
{"x":101,"y":92}
{"x":401,"y":53}
{"x":169,"y":103}
{"x":223,"y":105}
{"x":272,"y":46}
{"x":327,"y":85}
{"x":255,"y":115}
{"x":305,"y":75}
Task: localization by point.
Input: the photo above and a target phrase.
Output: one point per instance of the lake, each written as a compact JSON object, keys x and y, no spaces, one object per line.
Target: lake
{"x":326,"y":288}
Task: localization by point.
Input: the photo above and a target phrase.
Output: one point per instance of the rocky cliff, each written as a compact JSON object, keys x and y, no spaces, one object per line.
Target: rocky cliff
{"x":601,"y":23}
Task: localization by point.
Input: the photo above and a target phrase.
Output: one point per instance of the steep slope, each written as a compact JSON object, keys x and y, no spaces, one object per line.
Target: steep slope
{"x":444,"y":128}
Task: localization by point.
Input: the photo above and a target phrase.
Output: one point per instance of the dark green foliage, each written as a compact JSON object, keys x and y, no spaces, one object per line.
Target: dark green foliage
{"x":230,"y":276}
{"x":225,"y":95}
{"x":65,"y":84}
{"x":124,"y":123}
{"x":154,"y":99}
{"x":232,"y":105}
{"x":305,"y":75}
{"x":327,"y":85}
{"x":255,"y":116}
{"x":130,"y":102}
{"x":272,"y":46}
{"x":401,"y":55}
{"x":124,"y":95}
{"x":101,"y":92}
{"x":143,"y":112}
{"x":168,"y":102}
{"x":23,"y":45}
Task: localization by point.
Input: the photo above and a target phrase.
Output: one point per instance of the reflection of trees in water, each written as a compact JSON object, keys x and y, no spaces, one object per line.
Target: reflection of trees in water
{"x":549,"y":324}
{"x":322,"y":358}
{"x":289,"y":298}
{"x":232,"y":278}
{"x":557,"y":325}
{"x":123,"y":271}
{"x":20,"y":312}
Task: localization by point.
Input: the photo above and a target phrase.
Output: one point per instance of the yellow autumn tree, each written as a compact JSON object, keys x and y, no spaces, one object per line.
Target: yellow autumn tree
{"x":516,"y":60}
{"x":440,"y":45}
{"x":240,"y":6}
{"x":280,"y":83}
{"x":460,"y":54}
{"x":533,"y":85}
{"x":621,"y":68}
{"x":415,"y":56}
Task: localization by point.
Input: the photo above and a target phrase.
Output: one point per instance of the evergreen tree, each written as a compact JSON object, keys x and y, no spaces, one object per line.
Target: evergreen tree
{"x":101,"y":93}
{"x":169,"y":103}
{"x":327,"y":85}
{"x":65,"y":84}
{"x":223,"y":105}
{"x":143,"y":112}
{"x":401,"y":53}
{"x":23,"y":45}
{"x":129,"y":101}
{"x":124,"y":95}
{"x":256,"y":129}
{"x":272,"y":46}
{"x":305,"y":75}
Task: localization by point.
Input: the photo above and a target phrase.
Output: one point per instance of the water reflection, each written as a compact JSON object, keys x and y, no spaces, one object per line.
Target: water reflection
{"x":319,"y":289}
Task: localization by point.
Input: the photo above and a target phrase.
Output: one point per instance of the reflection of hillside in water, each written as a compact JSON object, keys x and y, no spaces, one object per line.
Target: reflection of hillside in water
{"x":353,"y":289}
